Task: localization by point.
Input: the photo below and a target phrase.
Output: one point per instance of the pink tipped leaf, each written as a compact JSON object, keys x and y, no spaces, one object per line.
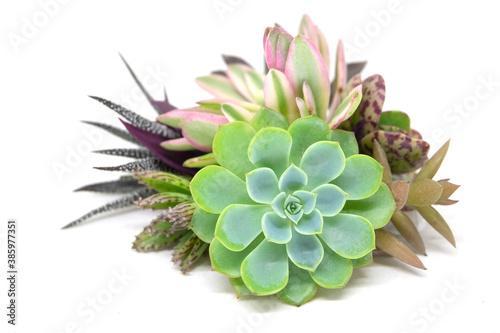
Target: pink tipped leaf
{"x":309,"y":99}
{"x":181,"y":144}
{"x":347,"y":107}
{"x":279,"y":95}
{"x":219,"y":86}
{"x":339,"y":82}
{"x":200,"y":130}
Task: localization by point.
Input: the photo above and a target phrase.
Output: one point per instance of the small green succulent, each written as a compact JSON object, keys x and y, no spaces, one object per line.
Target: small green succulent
{"x":288,"y":209}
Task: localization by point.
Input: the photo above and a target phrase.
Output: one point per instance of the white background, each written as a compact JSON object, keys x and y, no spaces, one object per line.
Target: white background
{"x":433,"y":56}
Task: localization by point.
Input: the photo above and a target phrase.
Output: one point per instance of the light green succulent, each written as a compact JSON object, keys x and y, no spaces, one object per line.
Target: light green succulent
{"x":288,"y":209}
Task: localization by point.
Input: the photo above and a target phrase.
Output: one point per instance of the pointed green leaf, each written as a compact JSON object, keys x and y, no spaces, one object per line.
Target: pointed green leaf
{"x":200,"y":161}
{"x":279,"y":95}
{"x":310,"y":224}
{"x":424,"y":192}
{"x":268,"y":118}
{"x":432,"y":216}
{"x":262,"y":185}
{"x":270,"y":148}
{"x":391,"y":245}
{"x":334,"y":271}
{"x":305,"y":132}
{"x":347,"y":141}
{"x":276,"y":229}
{"x":305,"y":251}
{"x":293,"y":179}
{"x":330,"y":199}
{"x":431,"y":167}
{"x":300,"y":287}
{"x":361,"y":177}
{"x":407,"y":229}
{"x":203,"y":224}
{"x":322,"y":162}
{"x":163,"y":181}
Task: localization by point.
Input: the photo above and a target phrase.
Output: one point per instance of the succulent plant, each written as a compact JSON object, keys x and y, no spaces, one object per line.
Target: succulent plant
{"x":419,"y":193}
{"x":287,"y":208}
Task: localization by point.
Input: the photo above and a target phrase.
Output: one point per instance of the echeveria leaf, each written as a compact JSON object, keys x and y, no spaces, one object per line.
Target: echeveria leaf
{"x":310,"y":224}
{"x":305,"y":251}
{"x":230,"y":147}
{"x":366,"y":117}
{"x":293,"y":179}
{"x":265,"y":270}
{"x":363,"y":261}
{"x":347,"y":141}
{"x":404,"y":154}
{"x":305,"y":64}
{"x":377,"y":208}
{"x":219,"y":86}
{"x":322,"y":162}
{"x":239,"y":287}
{"x":279,"y":95}
{"x":307,"y":199}
{"x":330,"y":199}
{"x":268,"y":118}
{"x":270,"y":148}
{"x":262,"y":185}
{"x":238,"y":225}
{"x":229,"y":262}
{"x":305,"y":132}
{"x":361,"y":177}
{"x":214,"y":188}
{"x":276,"y":229}
{"x":350,"y":236}
{"x":334,"y":271}
{"x":395,"y":118}
{"x":279,"y":204}
{"x":203,"y":224}
{"x":300,"y":287}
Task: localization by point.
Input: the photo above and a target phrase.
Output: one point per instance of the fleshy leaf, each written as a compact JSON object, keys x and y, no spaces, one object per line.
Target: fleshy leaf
{"x":230,"y":147}
{"x":201,"y":161}
{"x":363,"y":261}
{"x":305,"y":63}
{"x":316,"y":36}
{"x":279,"y":204}
{"x":379,"y":156}
{"x":255,"y":85}
{"x":214,"y":188}
{"x":432,"y":165}
{"x":239,"y":287}
{"x":279,"y":95}
{"x":300,"y":287}
{"x":339,"y":82}
{"x":350,"y":236}
{"x":366,"y":117}
{"x":238,"y":225}
{"x":377,"y":208}
{"x":310,"y":224}
{"x":203,"y":224}
{"x":404,"y":154}
{"x":347,"y":141}
{"x":228,"y":262}
{"x":307,"y":199}
{"x":305,"y":251}
{"x":330,"y":199}
{"x":219,"y":86}
{"x":262,"y":185}
{"x":308,"y":99}
{"x":163,"y":200}
{"x":293,"y":209}
{"x":322,"y":162}
{"x":346,"y":108}
{"x":180,"y":144}
{"x":236,"y":74}
{"x":399,"y":189}
{"x":334,"y":271}
{"x":361,"y":177}
{"x":395,"y":118}
{"x":293,"y":179}
{"x":424,"y":192}
{"x":163,"y":181}
{"x":268,"y":118}
{"x":305,"y":132}
{"x":270,"y":148}
{"x":265,"y":270}
{"x":432,"y":216}
{"x":200,"y":130}
{"x":235,"y":112}
{"x":407,"y":229}
{"x":391,"y":245}
{"x":276,"y":229}
{"x":173,"y":118}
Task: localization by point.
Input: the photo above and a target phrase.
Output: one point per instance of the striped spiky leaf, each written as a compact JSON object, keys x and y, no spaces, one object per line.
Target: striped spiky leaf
{"x":146,"y":164}
{"x":118,"y":132}
{"x":126,"y":152}
{"x":125,"y":184}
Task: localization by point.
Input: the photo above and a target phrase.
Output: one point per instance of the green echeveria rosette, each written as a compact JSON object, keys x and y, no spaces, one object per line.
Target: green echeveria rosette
{"x":289,"y":209}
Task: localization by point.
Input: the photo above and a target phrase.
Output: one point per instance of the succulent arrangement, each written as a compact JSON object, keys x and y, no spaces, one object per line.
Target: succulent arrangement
{"x":285,"y":178}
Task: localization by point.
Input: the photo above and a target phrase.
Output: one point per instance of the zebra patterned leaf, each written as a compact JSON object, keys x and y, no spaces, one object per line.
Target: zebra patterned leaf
{"x":114,"y":130}
{"x":125,"y":184}
{"x":126,"y":152}
{"x":146,"y":164}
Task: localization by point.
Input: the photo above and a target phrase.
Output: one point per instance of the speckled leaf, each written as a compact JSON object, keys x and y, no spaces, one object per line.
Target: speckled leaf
{"x":163,"y":200}
{"x":125,"y":184}
{"x":366,"y":117}
{"x":300,"y":287}
{"x":230,"y":147}
{"x":404,"y":153}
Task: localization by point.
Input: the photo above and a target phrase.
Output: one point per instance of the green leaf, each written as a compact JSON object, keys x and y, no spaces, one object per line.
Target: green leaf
{"x":345,"y":109}
{"x":330,"y":199}
{"x":279,"y":95}
{"x":238,"y":225}
{"x":163,"y":200}
{"x":305,"y":132}
{"x":219,"y":86}
{"x":239,"y":287}
{"x":235,"y":112}
{"x":228,"y":262}
{"x":363,"y":261}
{"x":305,"y":251}
{"x":214,"y":188}
{"x":347,"y":141}
{"x":377,"y":208}
{"x":305,"y":64}
{"x":236,"y":74}
{"x":395,"y":118}
{"x":200,"y":130}
{"x":361,"y":177}
{"x":293,"y":179}
{"x":231,"y":146}
{"x":278,"y":204}
{"x":203,"y":224}
{"x":307,"y":199}
{"x":276,"y":229}
{"x":322,"y":162}
{"x":268,"y":118}
{"x":265,"y":270}
{"x":201,"y":161}
{"x":432,"y":165}
{"x":300,"y":287}
{"x":262,"y":185}
{"x":293,"y":209}
{"x":334,"y":271}
{"x":310,"y":224}
{"x":163,"y":181}
{"x":270,"y":148}
{"x":351,"y":236}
